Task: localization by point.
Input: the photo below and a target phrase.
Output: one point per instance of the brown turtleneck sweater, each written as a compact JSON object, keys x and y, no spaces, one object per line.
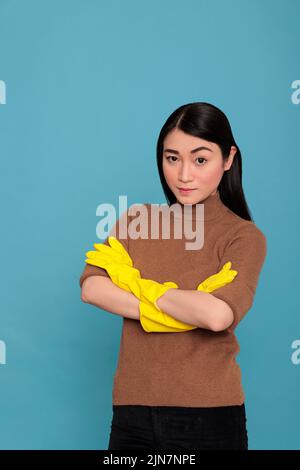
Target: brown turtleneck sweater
{"x":196,"y":368}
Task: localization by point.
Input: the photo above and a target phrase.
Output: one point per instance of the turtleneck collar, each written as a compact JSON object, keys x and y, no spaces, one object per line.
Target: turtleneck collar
{"x":213,"y":208}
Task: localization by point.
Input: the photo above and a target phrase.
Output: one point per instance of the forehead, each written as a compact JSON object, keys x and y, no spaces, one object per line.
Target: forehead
{"x":179,"y":140}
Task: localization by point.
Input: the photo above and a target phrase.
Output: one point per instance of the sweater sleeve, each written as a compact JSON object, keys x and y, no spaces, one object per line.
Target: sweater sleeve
{"x":90,"y":270}
{"x":247,"y":251}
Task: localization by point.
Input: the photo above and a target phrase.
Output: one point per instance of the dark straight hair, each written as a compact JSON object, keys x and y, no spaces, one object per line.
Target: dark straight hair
{"x":208,"y":122}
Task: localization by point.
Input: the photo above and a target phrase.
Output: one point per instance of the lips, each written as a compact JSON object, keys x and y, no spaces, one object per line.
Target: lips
{"x":185,"y":192}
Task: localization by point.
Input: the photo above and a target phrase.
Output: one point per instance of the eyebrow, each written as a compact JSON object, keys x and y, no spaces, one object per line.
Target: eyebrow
{"x":192,"y":151}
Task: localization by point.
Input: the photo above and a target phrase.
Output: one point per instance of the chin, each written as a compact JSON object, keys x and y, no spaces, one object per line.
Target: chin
{"x":188,"y":200}
{"x":192,"y":198}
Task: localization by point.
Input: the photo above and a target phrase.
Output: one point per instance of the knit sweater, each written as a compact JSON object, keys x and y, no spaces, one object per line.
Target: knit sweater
{"x":195,"y":368}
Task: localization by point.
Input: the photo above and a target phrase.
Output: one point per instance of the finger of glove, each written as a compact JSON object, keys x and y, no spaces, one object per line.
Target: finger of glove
{"x":223,"y":272}
{"x":226,"y":266}
{"x":100,"y":260}
{"x":123,"y":276}
{"x":213,"y":284}
{"x":119,"y":248}
{"x":227,"y":275}
{"x":95,"y":262}
{"x":109,"y":253}
{"x":111,"y":268}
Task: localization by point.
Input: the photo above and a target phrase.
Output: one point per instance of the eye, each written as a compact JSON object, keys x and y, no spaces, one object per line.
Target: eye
{"x":201,"y":158}
{"x":172,"y":156}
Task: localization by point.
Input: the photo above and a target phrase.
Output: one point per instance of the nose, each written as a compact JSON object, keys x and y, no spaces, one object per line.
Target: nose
{"x":185,"y":173}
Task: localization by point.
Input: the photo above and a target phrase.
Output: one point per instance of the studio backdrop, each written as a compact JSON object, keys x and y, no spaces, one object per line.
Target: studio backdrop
{"x":85,"y":87}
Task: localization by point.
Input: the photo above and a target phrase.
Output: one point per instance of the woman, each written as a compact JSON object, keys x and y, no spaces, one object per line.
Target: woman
{"x":171,"y":390}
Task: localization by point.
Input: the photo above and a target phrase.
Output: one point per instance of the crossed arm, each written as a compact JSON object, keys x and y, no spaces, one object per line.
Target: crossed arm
{"x":189,"y":306}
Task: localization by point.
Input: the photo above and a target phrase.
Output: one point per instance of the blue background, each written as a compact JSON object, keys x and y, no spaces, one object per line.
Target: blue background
{"x":88,"y":86}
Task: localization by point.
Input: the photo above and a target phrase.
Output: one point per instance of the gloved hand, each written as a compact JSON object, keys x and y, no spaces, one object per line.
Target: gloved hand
{"x":223,"y":277}
{"x":119,"y":265}
{"x":117,"y":262}
{"x":152,"y":320}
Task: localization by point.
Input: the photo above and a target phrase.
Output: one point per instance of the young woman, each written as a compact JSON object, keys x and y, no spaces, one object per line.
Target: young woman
{"x":178,"y":384}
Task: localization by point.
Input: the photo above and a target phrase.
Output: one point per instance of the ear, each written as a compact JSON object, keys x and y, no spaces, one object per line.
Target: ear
{"x":230,"y":158}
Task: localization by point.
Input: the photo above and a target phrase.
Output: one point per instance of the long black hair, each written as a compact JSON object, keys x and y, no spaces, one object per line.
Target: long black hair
{"x":208,"y":122}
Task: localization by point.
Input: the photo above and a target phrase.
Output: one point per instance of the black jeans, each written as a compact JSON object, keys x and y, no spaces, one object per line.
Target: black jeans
{"x":178,"y":428}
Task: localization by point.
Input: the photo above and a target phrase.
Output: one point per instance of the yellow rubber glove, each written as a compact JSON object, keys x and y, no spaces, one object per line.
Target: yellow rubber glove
{"x":151,"y":317}
{"x":223,"y":277}
{"x":121,"y":274}
{"x":118,"y":264}
{"x":154,"y":321}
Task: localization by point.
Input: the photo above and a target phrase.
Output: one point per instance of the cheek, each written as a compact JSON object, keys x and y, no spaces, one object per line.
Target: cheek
{"x":168,"y":173}
{"x":210,"y":175}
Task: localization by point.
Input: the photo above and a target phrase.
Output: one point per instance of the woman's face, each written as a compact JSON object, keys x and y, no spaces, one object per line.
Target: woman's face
{"x":194,"y":163}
